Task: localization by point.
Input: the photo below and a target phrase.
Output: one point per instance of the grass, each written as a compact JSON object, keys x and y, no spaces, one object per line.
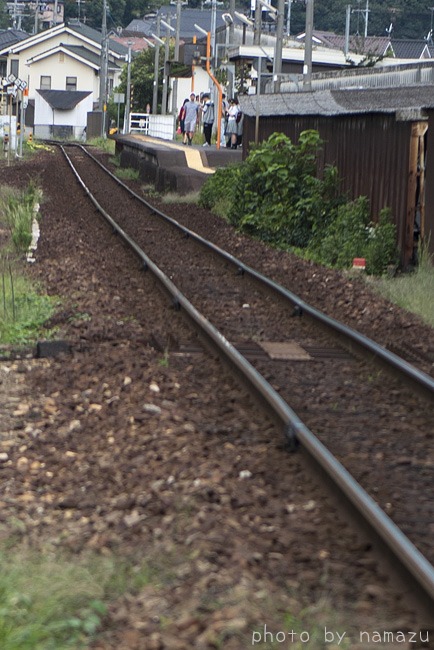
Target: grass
{"x":127,"y":173}
{"x":105,"y":144}
{"x":50,"y":602}
{"x":172,"y":197}
{"x":23,"y":310}
{"x":411,"y":291}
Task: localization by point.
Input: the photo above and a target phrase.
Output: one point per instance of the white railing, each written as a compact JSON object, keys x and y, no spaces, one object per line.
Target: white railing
{"x":156,"y":126}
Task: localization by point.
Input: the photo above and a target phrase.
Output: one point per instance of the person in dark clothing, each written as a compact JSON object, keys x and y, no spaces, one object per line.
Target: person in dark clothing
{"x":181,"y":120}
{"x":208,"y":119}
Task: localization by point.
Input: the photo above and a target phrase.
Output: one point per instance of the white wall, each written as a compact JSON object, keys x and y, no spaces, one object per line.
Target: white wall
{"x":200,"y":83}
{"x":8,"y":126}
{"x":86,"y":77}
{"x":45,"y":117}
{"x":40,"y":48}
{"x":58,"y":70}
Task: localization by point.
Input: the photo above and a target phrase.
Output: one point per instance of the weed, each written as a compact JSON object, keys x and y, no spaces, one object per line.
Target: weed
{"x":49,"y":602}
{"x":164,"y":361}
{"x":22,"y":310}
{"x":105,"y":144}
{"x":171,"y":197}
{"x":81,"y":317}
{"x":115,"y":161}
{"x":127,"y":173}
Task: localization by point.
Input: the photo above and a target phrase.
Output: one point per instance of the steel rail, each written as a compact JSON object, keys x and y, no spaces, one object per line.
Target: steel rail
{"x":420,"y":380}
{"x":402,"y":549}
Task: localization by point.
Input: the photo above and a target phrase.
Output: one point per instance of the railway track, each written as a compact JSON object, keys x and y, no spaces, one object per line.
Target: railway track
{"x":327,"y":375}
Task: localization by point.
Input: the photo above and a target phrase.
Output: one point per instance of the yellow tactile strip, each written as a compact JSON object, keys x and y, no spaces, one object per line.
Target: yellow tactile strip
{"x":193,"y":157}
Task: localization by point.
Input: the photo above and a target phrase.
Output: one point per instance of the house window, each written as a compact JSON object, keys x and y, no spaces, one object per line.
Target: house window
{"x":14,"y":67}
{"x":45,"y":83}
{"x":71,"y":83}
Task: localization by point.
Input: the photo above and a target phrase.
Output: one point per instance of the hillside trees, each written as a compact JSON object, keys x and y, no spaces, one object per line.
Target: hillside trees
{"x":409,"y":18}
{"x":119,"y":12}
{"x":4,"y":18}
{"x":142,"y":80}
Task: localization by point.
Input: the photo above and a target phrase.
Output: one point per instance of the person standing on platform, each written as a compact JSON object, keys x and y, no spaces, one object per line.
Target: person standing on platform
{"x":232,"y":125}
{"x":191,"y":113}
{"x":181,"y":120}
{"x":225,"y":107}
{"x":208,"y":119}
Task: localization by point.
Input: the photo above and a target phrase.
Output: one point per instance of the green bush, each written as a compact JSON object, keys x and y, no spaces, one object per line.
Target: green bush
{"x":218,"y":192}
{"x":344,"y":238}
{"x":19,"y":211}
{"x":277,"y":195}
{"x":351,"y":235}
{"x":381,"y":251}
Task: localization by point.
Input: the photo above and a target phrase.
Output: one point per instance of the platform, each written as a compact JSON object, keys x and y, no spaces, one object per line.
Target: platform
{"x":171,"y":166}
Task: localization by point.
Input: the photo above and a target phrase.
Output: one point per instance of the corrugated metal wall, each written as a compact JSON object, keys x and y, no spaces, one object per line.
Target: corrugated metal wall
{"x":365,"y":77}
{"x":371,"y":152}
{"x":429,"y":183}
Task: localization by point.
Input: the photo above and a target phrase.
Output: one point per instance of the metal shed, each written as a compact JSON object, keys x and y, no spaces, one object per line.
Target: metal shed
{"x":376,"y":137}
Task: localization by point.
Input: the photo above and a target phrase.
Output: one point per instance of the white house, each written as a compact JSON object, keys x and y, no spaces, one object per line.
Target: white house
{"x":65,"y":50}
{"x":61,"y":114}
{"x":64,"y":58}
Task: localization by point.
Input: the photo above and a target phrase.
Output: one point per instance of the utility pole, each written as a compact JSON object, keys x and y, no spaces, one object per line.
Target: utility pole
{"x":232,"y":25}
{"x":365,"y":13}
{"x":288,"y":18}
{"x":213,"y":28}
{"x":347,"y":30}
{"x":277,"y":64}
{"x":54,"y":21}
{"x":230,"y":40}
{"x":156,"y":66}
{"x":166,"y":61}
{"x":103,"y":69}
{"x":366,"y":18}
{"x":176,"y":56}
{"x":36,"y":17}
{"x":15,"y":14}
{"x":258,"y":23}
{"x":307,"y":68}
{"x":430,"y":34}
{"x":128,"y":93}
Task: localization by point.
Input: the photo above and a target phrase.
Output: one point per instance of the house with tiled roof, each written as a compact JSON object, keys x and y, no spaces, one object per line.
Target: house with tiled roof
{"x":189,"y":18}
{"x":53,"y":58}
{"x":410,"y":49}
{"x":376,"y":46}
{"x":9,"y":37}
{"x":61,"y":114}
{"x":66,"y":59}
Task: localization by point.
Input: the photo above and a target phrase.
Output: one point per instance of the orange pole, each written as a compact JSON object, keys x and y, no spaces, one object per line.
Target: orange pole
{"x":219,"y":89}
{"x":192,"y":68}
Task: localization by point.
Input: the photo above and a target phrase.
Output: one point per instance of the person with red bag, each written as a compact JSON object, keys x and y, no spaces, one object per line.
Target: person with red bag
{"x":181,"y":122}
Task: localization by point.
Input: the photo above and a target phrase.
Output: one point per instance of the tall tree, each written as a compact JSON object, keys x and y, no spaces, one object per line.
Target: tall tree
{"x":142,"y":80}
{"x":91,"y":12}
{"x":5,"y":20}
{"x":409,"y":18}
{"x":134,"y":9}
